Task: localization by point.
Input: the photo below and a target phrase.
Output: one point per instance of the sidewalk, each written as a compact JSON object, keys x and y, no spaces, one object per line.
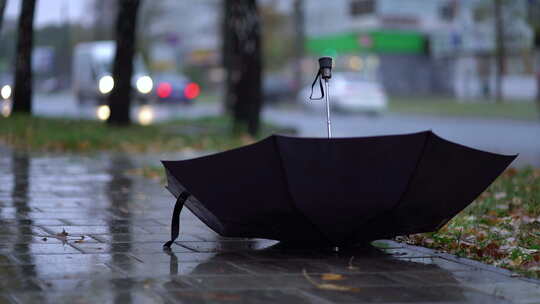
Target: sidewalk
{"x":115,"y":225}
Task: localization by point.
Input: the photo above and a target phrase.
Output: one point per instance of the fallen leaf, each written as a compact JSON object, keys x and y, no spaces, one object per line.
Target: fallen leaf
{"x":335,"y":287}
{"x":62,"y":234}
{"x":332,"y":277}
{"x":328,"y":286}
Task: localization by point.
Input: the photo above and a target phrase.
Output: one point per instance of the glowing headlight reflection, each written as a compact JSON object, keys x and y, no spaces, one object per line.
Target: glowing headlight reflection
{"x":5,"y":108}
{"x":106,"y":84}
{"x":6,"y":92}
{"x":146,"y":115}
{"x":103,"y":112}
{"x":144,"y":84}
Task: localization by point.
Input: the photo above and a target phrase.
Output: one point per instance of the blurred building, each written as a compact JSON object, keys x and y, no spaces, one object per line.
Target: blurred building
{"x":425,"y":46}
{"x":185,"y":35}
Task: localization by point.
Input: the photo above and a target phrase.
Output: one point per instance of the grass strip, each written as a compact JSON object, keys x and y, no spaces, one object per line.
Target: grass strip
{"x":518,"y":110}
{"x":28,"y":133}
{"x":501,"y":227}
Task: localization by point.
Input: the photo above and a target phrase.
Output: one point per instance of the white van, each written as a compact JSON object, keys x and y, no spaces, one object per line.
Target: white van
{"x":92,"y":73}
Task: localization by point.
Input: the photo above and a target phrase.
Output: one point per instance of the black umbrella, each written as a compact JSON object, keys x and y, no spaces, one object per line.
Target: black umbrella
{"x":337,"y":191}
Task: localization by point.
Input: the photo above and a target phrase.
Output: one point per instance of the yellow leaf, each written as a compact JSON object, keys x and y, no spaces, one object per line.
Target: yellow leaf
{"x":332,"y":277}
{"x":327,"y":286}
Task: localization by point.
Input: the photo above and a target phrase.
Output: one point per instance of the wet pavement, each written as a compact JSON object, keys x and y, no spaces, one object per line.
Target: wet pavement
{"x":79,"y":229}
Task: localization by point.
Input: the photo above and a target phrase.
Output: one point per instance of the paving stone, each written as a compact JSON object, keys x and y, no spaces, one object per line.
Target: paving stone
{"x":514,"y":291}
{"x":106,"y":296}
{"x":154,"y":247}
{"x":5,"y":299}
{"x":405,"y":294}
{"x":34,"y":248}
{"x":73,"y":259}
{"x":226,"y":246}
{"x":237,"y":296}
{"x":94,"y":230}
{"x":141,"y":238}
{"x":18,"y":282}
{"x":11,"y":230}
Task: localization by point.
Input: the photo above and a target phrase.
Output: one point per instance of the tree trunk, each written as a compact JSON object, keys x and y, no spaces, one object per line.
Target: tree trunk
{"x":226,"y":54}
{"x":538,"y":88}
{"x":243,"y":63}
{"x":22,"y":94}
{"x":2,"y":9}
{"x":120,"y":97}
{"x":299,"y":45}
{"x":500,"y":52}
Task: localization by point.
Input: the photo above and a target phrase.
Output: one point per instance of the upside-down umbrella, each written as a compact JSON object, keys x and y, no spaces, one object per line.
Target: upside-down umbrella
{"x":332,"y":191}
{"x":337,"y":191}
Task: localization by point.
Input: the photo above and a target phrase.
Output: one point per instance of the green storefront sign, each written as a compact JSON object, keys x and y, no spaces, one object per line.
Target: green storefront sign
{"x":382,"y":41}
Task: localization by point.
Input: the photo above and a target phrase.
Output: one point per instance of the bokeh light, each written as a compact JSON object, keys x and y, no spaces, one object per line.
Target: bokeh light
{"x":103,"y":112}
{"x":192,"y":90}
{"x":6,"y":91}
{"x":106,"y":84}
{"x":146,"y":115}
{"x":145,"y":84}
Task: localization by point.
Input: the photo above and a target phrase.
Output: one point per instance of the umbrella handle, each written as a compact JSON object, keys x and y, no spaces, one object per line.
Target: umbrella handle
{"x":175,"y":223}
{"x":328,"y":122}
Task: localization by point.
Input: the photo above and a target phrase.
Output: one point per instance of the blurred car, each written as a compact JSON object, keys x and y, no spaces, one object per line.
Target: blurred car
{"x":349,"y":92}
{"x":175,"y":88}
{"x":92,"y":73}
{"x":277,"y":88}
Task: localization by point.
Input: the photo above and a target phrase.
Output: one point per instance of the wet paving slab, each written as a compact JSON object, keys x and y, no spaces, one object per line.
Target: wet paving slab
{"x":80,"y":229}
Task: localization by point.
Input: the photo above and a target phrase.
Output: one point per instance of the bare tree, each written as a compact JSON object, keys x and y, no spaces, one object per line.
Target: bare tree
{"x":22,"y":95}
{"x":533,"y":16}
{"x":2,"y":9}
{"x":299,"y":43}
{"x":243,"y":63}
{"x":500,"y":50}
{"x":120,"y":97}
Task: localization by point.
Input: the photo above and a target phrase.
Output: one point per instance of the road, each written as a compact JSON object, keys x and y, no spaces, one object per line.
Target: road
{"x":500,"y":136}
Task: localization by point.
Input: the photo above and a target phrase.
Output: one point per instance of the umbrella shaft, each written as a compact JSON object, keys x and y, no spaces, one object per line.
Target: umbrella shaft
{"x":328,"y":122}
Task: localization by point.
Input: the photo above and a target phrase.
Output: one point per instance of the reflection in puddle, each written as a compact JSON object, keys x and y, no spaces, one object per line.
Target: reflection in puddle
{"x":5,"y":108}
{"x":144,"y":114}
{"x":103,"y":112}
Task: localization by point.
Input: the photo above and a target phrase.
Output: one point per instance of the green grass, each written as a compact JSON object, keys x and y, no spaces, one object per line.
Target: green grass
{"x":502,"y":227}
{"x":519,"y":110}
{"x":68,"y":135}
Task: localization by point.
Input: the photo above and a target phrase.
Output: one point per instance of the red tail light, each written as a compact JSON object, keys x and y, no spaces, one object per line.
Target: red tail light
{"x":192,"y":90}
{"x":164,"y":90}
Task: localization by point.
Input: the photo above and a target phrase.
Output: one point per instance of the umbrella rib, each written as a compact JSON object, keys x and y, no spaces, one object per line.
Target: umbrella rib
{"x":413,"y":173}
{"x":291,"y":199}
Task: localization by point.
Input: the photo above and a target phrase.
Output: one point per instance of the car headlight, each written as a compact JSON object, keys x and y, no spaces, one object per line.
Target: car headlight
{"x":105,"y":84}
{"x":6,"y":92}
{"x":145,"y":84}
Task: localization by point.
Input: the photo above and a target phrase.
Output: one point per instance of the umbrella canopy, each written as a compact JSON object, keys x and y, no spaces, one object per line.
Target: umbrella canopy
{"x":338,"y":191}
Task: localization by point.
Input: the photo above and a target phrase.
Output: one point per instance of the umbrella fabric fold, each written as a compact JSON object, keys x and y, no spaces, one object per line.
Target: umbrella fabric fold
{"x":338,"y":191}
